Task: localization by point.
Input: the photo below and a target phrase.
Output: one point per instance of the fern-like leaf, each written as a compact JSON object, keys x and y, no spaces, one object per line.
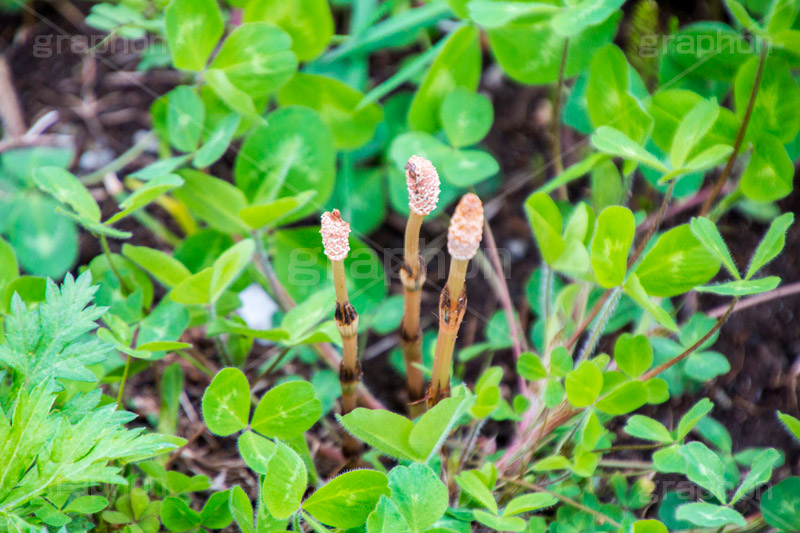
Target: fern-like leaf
{"x":80,"y":443}
{"x":45,"y":343}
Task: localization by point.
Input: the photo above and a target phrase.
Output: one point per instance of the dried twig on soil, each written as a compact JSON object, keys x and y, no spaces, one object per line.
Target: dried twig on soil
{"x":10,"y":109}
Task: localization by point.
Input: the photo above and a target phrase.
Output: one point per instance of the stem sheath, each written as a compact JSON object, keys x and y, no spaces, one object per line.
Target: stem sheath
{"x":451,"y":313}
{"x":413,"y":277}
{"x":350,"y":369}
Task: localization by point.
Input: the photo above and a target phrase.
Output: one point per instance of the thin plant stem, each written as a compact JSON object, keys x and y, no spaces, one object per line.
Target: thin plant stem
{"x":467,"y":451}
{"x":654,"y":226}
{"x":191,"y":440}
{"x":413,"y":277}
{"x":195,"y":363}
{"x":505,"y":298}
{"x":452,"y":305}
{"x":124,"y":159}
{"x":726,"y":203}
{"x":262,"y":261}
{"x":124,"y":379}
{"x":157,"y":228}
{"x":600,"y":324}
{"x":324,"y":350}
{"x":686,"y":353}
{"x":527,"y":458}
{"x":275,"y":362}
{"x":621,"y":463}
{"x":546,"y":299}
{"x":223,"y":353}
{"x":568,"y":436}
{"x":737,"y":144}
{"x":112,"y":266}
{"x":788,"y":290}
{"x":588,"y":320}
{"x":558,"y":164}
{"x":602,"y":518}
{"x":487,"y":268}
{"x":350,"y":369}
{"x":626,"y":447}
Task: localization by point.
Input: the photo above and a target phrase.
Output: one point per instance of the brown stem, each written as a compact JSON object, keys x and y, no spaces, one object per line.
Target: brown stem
{"x":788,"y":290}
{"x":557,"y":417}
{"x":328,"y":353}
{"x":737,"y":145}
{"x":686,"y":353}
{"x":601,"y":518}
{"x":518,"y":343}
{"x":588,"y":320}
{"x":412,"y":275}
{"x":654,"y":226}
{"x":451,"y":313}
{"x":504,"y":296}
{"x":324,"y":350}
{"x":625,"y":447}
{"x":565,"y":411}
{"x":567,"y":414}
{"x":350,"y":368}
{"x":281,"y":295}
{"x":679,"y":207}
{"x":191,"y":440}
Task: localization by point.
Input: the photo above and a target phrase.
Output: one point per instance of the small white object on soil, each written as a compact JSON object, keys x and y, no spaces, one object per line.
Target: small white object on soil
{"x":257,"y":308}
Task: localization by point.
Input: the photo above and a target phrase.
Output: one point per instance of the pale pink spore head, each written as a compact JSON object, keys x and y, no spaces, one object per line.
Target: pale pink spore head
{"x":466,"y":228}
{"x":335,"y":235}
{"x":423,"y":185}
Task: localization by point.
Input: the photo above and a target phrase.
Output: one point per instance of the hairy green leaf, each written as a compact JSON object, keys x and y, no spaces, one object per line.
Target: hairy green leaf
{"x":771,"y":245}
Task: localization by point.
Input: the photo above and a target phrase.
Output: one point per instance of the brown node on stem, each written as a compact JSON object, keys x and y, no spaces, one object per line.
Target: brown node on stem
{"x":350,"y":377}
{"x":452,"y":313}
{"x":335,"y":240}
{"x":411,"y":280}
{"x":437,"y":394}
{"x":346,"y":317}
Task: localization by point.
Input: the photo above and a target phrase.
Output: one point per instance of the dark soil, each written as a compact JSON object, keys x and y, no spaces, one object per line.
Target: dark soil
{"x":102,"y":102}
